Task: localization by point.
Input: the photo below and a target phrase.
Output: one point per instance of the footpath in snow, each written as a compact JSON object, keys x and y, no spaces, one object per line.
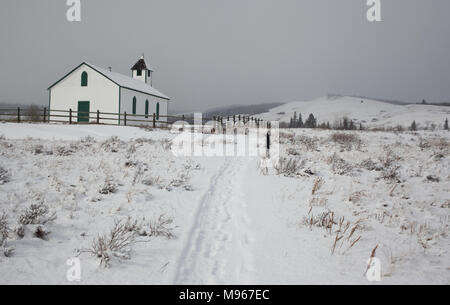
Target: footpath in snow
{"x":218,"y":248}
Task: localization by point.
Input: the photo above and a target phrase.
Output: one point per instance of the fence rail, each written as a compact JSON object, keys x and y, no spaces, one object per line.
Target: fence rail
{"x":124,"y":119}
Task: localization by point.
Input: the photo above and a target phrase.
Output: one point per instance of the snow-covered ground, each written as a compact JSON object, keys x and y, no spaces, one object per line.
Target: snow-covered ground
{"x":234,"y":221}
{"x":370,"y":113}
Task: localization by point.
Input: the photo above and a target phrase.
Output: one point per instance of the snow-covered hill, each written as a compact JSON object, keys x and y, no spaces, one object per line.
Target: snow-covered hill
{"x":370,"y":113}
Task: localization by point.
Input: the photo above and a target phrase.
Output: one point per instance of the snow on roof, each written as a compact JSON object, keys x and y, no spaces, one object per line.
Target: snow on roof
{"x":129,"y":82}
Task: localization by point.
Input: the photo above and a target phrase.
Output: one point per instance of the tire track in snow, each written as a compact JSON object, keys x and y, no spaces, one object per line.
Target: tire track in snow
{"x":218,"y":248}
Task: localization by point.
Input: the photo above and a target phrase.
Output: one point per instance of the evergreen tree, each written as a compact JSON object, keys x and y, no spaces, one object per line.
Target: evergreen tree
{"x":413,"y":126}
{"x":345,"y":124}
{"x":352,"y":125}
{"x":311,"y":122}
{"x":300,"y":121}
{"x":446,"y":124}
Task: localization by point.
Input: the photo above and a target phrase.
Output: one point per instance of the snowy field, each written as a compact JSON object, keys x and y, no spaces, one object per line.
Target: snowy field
{"x":370,"y":113}
{"x":332,"y":202}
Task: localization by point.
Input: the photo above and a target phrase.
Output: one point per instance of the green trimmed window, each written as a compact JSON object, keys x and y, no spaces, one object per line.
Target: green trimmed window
{"x":84,"y":79}
{"x":139,"y":72}
{"x":134,"y":105}
{"x":157,"y":111}
{"x":146,"y":109}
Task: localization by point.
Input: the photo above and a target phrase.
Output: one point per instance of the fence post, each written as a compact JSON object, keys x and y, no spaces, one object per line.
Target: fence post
{"x":45,"y":113}
{"x":125,"y":118}
{"x":70,"y":116}
{"x":154,"y":120}
{"x":234,"y":119}
{"x":18,"y":114}
{"x":98,"y":116}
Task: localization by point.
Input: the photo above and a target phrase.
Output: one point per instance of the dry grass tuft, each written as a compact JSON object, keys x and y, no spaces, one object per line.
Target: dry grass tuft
{"x":318,"y":183}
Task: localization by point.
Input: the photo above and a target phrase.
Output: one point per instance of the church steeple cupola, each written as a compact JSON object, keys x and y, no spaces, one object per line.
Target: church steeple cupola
{"x":141,"y":71}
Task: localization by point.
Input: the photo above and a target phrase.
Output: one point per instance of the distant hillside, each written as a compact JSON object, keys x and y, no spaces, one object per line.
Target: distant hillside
{"x":369,"y":112}
{"x":394,"y":102}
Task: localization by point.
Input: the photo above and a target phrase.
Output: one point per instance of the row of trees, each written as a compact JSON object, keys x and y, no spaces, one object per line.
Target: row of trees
{"x":311,"y":122}
{"x":345,"y":123}
{"x":414,"y":126}
{"x":297,"y":122}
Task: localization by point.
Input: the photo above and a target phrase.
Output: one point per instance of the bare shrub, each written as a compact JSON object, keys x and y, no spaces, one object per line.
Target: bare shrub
{"x":318,"y":183}
{"x":439,"y":145}
{"x":324,"y":220}
{"x":116,"y":243}
{"x":38,"y":149}
{"x":4,"y":176}
{"x":292,"y":151}
{"x":131,"y":149}
{"x":113,"y":144}
{"x":20,"y":231}
{"x":63,"y":151}
{"x":36,"y":214}
{"x":289,"y":166}
{"x":87,"y":139}
{"x":286,"y":137}
{"x":138,"y":173}
{"x":309,"y":143}
{"x":108,"y":188}
{"x":7,"y":251}
{"x":162,"y":227}
{"x":41,"y":233}
{"x":388,"y":158}
{"x":391,"y":173}
{"x":423,"y":144}
{"x":339,"y":166}
{"x":370,"y":165}
{"x":433,"y":178}
{"x":346,"y":140}
{"x":181,"y":181}
{"x":4,"y":229}
{"x":151,"y":181}
{"x":166,"y":144}
{"x":4,"y":234}
{"x":355,"y":197}
{"x":344,"y":230}
{"x":389,"y":161}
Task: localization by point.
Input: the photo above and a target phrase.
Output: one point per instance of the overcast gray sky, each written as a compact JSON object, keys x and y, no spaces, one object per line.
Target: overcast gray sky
{"x":209,"y":53}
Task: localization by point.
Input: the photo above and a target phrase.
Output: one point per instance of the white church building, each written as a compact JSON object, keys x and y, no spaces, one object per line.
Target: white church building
{"x":88,"y":88}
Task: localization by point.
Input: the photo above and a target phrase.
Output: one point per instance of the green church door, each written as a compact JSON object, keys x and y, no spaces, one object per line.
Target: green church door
{"x":83,"y":111}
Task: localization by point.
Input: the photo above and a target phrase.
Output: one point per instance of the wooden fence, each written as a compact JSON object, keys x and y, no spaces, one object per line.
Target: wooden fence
{"x":70,"y":116}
